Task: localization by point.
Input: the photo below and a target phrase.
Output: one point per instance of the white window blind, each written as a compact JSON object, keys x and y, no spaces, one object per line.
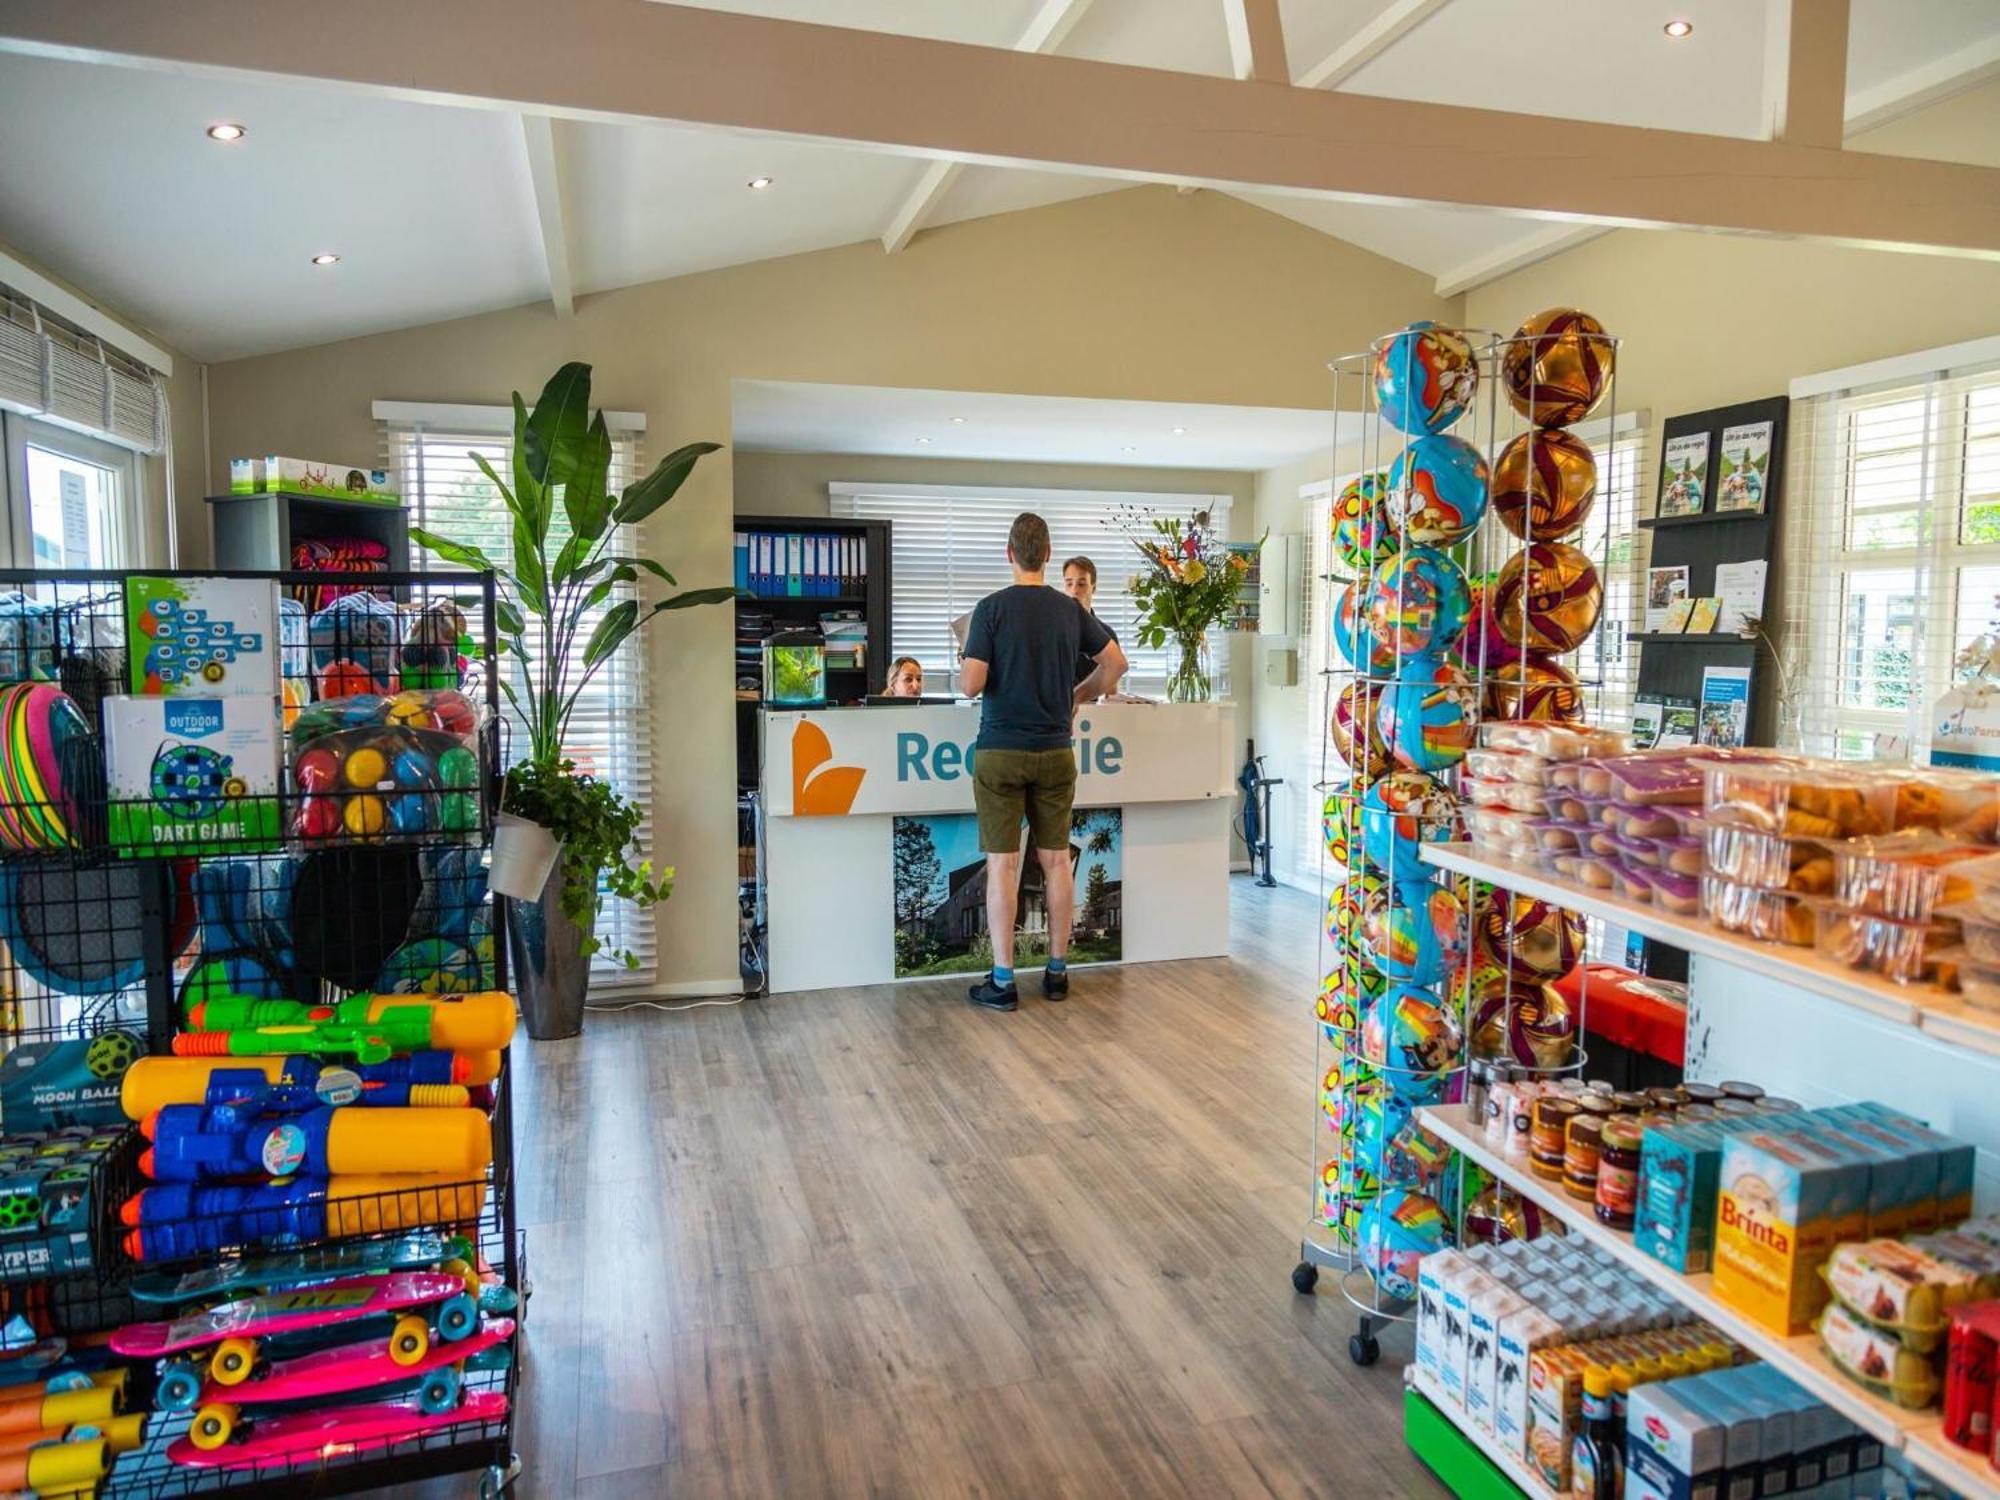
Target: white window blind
{"x":51,"y":370}
{"x":948,"y":549}
{"x":1892,"y":551}
{"x":610,"y":734}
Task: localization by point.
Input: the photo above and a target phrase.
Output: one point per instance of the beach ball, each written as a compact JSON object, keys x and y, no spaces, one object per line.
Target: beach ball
{"x":1548,"y":597}
{"x":1352,"y":635}
{"x":1557,"y":366}
{"x":1429,"y":717}
{"x":1537,"y":687}
{"x":1531,"y":938}
{"x":1340,"y":825}
{"x":1334,"y":1008}
{"x":1361,"y":533}
{"x":1495,"y":1215}
{"x":1413,"y":930}
{"x":1531,"y":1026}
{"x":1415,"y":1039}
{"x":1417,"y":1159}
{"x":1417,"y":603}
{"x":1545,"y":484}
{"x":1425,"y":377}
{"x":1437,"y":491}
{"x":1376,"y":1116}
{"x":1397,"y":1231}
{"x":1402,"y":811}
{"x":1348,"y":903}
{"x":1354,"y":727}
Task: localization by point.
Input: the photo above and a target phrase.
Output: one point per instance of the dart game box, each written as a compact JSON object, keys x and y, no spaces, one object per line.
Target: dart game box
{"x":193,"y":775}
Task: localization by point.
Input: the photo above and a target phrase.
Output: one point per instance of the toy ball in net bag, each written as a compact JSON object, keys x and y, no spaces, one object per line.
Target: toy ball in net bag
{"x":1531,"y":1026}
{"x":1415,"y":1039}
{"x":1397,"y":1231}
{"x":1437,"y":491}
{"x":1417,"y":603}
{"x":1429,"y":717}
{"x":1493,"y":1216}
{"x":1536,"y":687}
{"x":1548,"y":597}
{"x":1356,"y":730}
{"x":1340,"y":826}
{"x":1399,"y":813}
{"x":1545,"y":485}
{"x":1352,"y":636}
{"x":1360,"y":525}
{"x":1531,"y":938}
{"x":1557,"y":366}
{"x":1413,"y":931}
{"x":1425,"y":377}
{"x":360,"y":630}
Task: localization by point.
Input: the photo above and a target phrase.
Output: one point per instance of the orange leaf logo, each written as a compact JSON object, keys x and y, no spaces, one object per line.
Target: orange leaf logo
{"x":820,"y":790}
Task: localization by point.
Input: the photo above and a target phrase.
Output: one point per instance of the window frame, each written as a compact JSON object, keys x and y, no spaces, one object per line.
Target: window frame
{"x":125,"y":534}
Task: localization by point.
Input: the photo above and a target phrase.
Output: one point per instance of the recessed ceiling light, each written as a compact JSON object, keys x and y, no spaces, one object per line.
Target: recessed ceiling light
{"x":325,"y":258}
{"x":760,"y":183}
{"x":923,"y":440}
{"x":958,"y":421}
{"x":1678,"y":29}
{"x":1129,"y":448}
{"x":1180,"y":432}
{"x":226,"y":132}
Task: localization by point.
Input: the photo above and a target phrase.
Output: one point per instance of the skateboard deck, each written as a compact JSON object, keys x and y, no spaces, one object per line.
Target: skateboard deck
{"x":408,"y":1252}
{"x":287,"y":1312}
{"x":335,"y":1432}
{"x":351,"y":1367}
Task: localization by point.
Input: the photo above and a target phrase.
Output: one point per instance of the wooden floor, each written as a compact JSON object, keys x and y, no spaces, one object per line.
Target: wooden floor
{"x":874,"y":1242}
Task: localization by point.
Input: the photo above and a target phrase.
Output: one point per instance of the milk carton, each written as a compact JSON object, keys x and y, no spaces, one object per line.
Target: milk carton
{"x":1459,"y":1286}
{"x":1484,"y":1314}
{"x":1519,"y":1336}
{"x":1431,"y":1273}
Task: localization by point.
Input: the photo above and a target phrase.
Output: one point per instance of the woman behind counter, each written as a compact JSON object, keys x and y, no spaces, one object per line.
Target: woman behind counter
{"x":906,"y":678}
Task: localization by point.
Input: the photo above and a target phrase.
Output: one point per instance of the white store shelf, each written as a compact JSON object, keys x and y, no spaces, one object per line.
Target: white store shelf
{"x":1926,"y":1007}
{"x":1799,"y":1358}
{"x":1512,"y":1465}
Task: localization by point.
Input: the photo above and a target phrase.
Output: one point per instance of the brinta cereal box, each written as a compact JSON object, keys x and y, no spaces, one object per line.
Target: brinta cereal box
{"x":1784,"y":1203}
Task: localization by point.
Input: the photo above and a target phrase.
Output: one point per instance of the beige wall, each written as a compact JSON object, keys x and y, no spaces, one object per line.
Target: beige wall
{"x":1141,"y":294}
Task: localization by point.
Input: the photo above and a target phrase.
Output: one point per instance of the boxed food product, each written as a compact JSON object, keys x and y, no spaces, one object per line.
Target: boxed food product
{"x":1775,"y":1435}
{"x":1876,"y":1359}
{"x":1520,"y":1336}
{"x":1955,"y":1158}
{"x":298,"y":476}
{"x":246,"y":476}
{"x":1673,"y":1449}
{"x":1506,"y":765}
{"x":1751,"y":856}
{"x":1559,"y":742}
{"x":1899,"y":1288}
{"x":1648,"y":778}
{"x":1783,"y":1203}
{"x":1917,"y":1212}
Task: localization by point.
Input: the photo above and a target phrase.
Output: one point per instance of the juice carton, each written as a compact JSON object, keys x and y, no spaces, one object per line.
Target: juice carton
{"x":1783,"y":1204}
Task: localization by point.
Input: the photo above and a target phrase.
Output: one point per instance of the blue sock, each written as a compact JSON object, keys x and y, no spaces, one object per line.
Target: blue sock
{"x":1058,"y":965}
{"x":1002,"y":977}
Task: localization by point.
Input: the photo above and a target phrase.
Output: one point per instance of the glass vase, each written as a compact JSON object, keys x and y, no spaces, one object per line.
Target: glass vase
{"x":1192,"y":679}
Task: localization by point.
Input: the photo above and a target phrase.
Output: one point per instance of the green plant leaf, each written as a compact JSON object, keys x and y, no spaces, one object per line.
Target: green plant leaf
{"x":657,"y":571}
{"x":692,"y":599}
{"x":618,"y":622}
{"x":586,"y":501}
{"x":623,"y":573}
{"x":508,"y":616}
{"x":530,"y":576}
{"x":463,"y":553}
{"x":559,"y":426}
{"x":531,"y":496}
{"x":563,"y":570}
{"x":657,"y":488}
{"x":506,"y":492}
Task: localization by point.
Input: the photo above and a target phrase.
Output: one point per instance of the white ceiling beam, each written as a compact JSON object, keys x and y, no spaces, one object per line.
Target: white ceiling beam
{"x":1048,"y":30}
{"x":538,"y":134}
{"x":1256,"y":40}
{"x":620,"y":60}
{"x":1805,"y":71}
{"x":1516,"y":255}
{"x":1921,"y":87}
{"x":1383,"y":30}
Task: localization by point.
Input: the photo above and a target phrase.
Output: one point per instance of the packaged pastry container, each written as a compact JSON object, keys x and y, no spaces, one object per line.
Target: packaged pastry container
{"x":1557,"y":742}
{"x":1506,"y":765}
{"x":1632,"y":883}
{"x":1982,"y":939}
{"x":1646,"y":779}
{"x":1499,"y":830}
{"x":1979,"y":983}
{"x":1958,"y":803}
{"x":1904,"y":875}
{"x":1748,"y":856}
{"x":1802,"y":799}
{"x":1595,"y":870}
{"x":1636,"y":821}
{"x":1901,"y":951}
{"x":1552,"y":835}
{"x":1684,"y":855}
{"x":1676,"y":891}
{"x":1774,"y":916}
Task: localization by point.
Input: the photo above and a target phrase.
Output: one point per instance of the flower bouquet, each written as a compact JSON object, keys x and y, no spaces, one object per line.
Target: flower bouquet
{"x":1189,"y":585}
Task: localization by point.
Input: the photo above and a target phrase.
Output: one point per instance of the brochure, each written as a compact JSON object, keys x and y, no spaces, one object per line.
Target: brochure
{"x":1677,"y":616}
{"x":1648,"y":709}
{"x":1725,"y":707}
{"x":1740,"y":586}
{"x":1684,"y":475}
{"x":1701,"y":619}
{"x":1677,"y":723}
{"x":1663,"y":587}
{"x":1746,"y":461}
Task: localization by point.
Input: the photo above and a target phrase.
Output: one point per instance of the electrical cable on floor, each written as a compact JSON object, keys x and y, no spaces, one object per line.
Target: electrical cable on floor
{"x":661,"y":1005}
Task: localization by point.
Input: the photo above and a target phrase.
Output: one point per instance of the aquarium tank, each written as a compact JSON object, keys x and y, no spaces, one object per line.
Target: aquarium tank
{"x":795,"y":669}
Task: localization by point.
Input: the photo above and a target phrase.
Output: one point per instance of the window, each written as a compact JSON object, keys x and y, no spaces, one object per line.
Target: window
{"x":948,"y":549}
{"x":610,"y":734}
{"x":72,"y":499}
{"x":1892,"y":558}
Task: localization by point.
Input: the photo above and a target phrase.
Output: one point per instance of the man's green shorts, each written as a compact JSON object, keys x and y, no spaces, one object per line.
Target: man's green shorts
{"x":1010,"y":784}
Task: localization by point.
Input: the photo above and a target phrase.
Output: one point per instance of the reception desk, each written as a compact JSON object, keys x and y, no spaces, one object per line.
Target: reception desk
{"x":842,"y":879}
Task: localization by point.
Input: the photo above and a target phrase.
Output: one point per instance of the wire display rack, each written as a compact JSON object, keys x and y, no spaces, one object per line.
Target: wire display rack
{"x":99,"y":940}
{"x":1424,"y":969}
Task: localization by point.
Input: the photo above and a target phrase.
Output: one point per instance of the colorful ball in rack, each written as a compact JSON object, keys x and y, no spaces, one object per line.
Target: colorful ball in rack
{"x":1420,"y":1160}
{"x":1375,"y":1115}
{"x":1417,"y":603}
{"x":1334,"y":1008}
{"x":1545,"y":485}
{"x":1482,"y":645}
{"x":1360,"y":529}
{"x":1414,"y":931}
{"x":1399,"y":814}
{"x":1340,"y":826}
{"x":1353,"y":638}
{"x":1429,"y":717}
{"x":1496,"y":1215}
{"x":1548,"y":597}
{"x":1437,"y":491}
{"x":1425,"y":377}
{"x":1536,"y":687}
{"x":1397,"y":1231}
{"x":1347,"y":905}
{"x":1530,"y":938}
{"x":1355,"y":728}
{"x":1557,"y":367}
{"x":1531,"y":1026}
{"x":1415,"y":1039}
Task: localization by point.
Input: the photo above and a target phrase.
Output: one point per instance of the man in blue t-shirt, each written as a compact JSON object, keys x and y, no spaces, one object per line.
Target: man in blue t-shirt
{"x":1020,"y":655}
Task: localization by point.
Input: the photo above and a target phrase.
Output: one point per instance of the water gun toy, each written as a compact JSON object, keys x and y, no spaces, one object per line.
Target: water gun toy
{"x":371,"y":1028}
{"x":262,"y":1136}
{"x":67,"y":1468}
{"x":42,"y":1411}
{"x":180,"y":1219}
{"x":282,"y":1441}
{"x":154,"y":1082}
{"x":120,"y":1435}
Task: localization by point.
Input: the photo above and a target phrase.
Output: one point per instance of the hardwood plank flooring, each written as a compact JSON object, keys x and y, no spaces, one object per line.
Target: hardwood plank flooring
{"x":876,"y":1243}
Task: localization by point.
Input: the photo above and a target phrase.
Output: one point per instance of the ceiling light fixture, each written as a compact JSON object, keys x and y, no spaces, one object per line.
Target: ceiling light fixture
{"x":759,"y":183}
{"x":958,"y":421}
{"x":325,"y":258}
{"x":1180,"y":432}
{"x":1678,"y":29}
{"x":923,"y":440}
{"x":226,"y":133}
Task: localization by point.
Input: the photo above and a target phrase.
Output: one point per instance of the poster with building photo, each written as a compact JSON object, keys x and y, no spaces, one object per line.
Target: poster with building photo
{"x":1684,"y":475}
{"x":939,"y":907}
{"x":1746,"y":463}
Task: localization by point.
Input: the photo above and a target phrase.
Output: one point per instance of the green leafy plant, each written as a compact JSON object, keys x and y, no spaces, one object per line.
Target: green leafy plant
{"x":557,"y":586}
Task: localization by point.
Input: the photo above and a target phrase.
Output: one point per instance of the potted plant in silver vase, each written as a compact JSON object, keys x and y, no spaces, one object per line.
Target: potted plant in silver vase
{"x":565,"y":838}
